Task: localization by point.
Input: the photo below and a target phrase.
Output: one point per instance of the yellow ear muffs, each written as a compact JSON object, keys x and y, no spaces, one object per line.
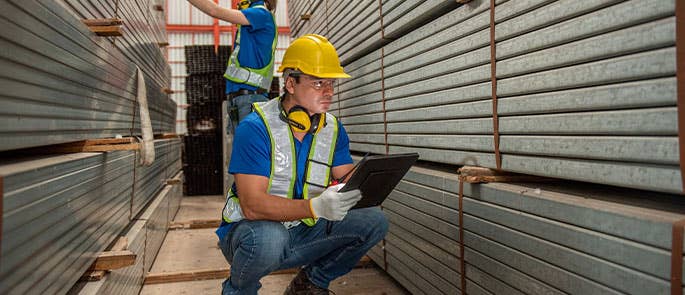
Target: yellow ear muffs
{"x":299,"y":119}
{"x":318,"y":122}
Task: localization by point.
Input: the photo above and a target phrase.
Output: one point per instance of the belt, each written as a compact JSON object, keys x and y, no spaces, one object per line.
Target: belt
{"x":245,"y":92}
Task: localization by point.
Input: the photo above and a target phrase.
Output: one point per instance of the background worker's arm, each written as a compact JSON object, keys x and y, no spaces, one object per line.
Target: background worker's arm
{"x":257,"y":204}
{"x":226,"y":14}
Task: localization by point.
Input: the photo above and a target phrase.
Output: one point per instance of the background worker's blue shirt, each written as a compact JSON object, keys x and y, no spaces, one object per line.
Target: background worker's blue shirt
{"x":252,"y":154}
{"x":255,"y":42}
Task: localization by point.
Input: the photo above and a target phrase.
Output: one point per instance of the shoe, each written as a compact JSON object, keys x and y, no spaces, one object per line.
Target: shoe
{"x":301,"y":285}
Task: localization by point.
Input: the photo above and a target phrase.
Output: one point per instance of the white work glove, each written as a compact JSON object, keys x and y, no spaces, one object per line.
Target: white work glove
{"x":333,"y":205}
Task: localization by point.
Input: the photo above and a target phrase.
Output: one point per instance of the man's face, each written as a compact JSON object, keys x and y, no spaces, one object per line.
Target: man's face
{"x":314,"y":94}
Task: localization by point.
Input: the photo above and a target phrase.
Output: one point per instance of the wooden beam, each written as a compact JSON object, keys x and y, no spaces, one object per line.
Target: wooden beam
{"x":163,"y":44}
{"x":213,"y":274}
{"x":106,"y":31}
{"x":195,"y":224}
{"x":102,"y":22}
{"x":94,"y":145}
{"x":305,"y":16}
{"x":158,"y":7}
{"x":114,"y":260}
{"x":167,"y":90}
{"x":473,"y":174}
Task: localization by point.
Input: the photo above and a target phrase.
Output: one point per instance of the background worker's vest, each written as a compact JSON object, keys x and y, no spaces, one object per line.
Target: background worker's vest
{"x":317,"y":173}
{"x":260,"y":78}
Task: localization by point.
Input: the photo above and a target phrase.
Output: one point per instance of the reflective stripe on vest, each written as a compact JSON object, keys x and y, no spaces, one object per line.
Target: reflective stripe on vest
{"x":260,"y":78}
{"x":284,"y":162}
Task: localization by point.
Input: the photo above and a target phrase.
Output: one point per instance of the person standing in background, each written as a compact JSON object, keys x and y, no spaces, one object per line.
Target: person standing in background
{"x":250,"y":67}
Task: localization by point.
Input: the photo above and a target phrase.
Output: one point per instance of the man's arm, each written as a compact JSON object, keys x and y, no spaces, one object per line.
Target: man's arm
{"x":226,"y":14}
{"x":257,"y":204}
{"x":340,"y":171}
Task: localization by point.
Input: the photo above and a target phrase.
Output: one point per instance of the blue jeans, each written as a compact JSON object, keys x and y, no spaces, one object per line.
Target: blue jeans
{"x":255,"y":248}
{"x":243,"y":104}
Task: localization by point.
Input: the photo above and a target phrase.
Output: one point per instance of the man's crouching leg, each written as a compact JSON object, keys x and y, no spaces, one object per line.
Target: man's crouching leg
{"x":335,"y":254}
{"x":254,"y":249}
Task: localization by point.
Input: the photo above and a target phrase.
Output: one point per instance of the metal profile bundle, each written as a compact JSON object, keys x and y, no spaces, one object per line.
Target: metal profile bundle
{"x":551,"y":238}
{"x":145,"y":236}
{"x":150,"y":179}
{"x":59,"y":213}
{"x":128,"y":280}
{"x":202,"y":149}
{"x":583,"y":90}
{"x":203,"y":146}
{"x":63,"y":83}
{"x":201,"y":59}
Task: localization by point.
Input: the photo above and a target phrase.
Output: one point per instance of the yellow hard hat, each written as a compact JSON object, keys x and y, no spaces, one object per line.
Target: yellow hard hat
{"x":313,"y":55}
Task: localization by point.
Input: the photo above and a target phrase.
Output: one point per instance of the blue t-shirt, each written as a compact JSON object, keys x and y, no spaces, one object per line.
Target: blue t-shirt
{"x":255,"y":42}
{"x":252,"y":154}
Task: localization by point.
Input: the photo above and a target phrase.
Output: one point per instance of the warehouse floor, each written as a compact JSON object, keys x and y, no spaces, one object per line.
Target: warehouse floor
{"x":187,"y":250}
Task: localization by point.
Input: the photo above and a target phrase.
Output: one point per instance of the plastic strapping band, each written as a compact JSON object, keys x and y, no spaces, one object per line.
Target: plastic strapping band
{"x":462,"y":260}
{"x":493,"y":72}
{"x":385,"y":122}
{"x":680,"y":81}
{"x":677,"y":258}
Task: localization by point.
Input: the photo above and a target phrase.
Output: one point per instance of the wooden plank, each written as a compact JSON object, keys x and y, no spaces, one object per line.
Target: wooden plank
{"x":114,"y":260}
{"x":106,"y":31}
{"x":100,"y":141}
{"x":195,"y":224}
{"x":212,"y":274}
{"x":473,"y":174}
{"x":102,"y":21}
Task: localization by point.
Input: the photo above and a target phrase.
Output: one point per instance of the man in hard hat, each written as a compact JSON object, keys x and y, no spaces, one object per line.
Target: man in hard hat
{"x":250,"y":67}
{"x":286,"y":155}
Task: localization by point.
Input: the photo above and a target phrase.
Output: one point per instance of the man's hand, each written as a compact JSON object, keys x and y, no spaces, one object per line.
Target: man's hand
{"x":333,"y":205}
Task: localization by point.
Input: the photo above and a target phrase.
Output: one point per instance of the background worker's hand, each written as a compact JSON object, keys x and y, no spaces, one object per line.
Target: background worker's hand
{"x":333,"y":205}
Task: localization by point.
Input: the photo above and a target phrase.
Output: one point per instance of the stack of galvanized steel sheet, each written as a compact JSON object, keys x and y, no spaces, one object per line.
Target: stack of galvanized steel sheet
{"x":585,"y":91}
{"x":62,"y":83}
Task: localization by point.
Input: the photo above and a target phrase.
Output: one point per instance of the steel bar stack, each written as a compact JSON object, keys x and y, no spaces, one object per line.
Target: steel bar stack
{"x":205,"y":90}
{"x":577,"y":90}
{"x":63,"y":83}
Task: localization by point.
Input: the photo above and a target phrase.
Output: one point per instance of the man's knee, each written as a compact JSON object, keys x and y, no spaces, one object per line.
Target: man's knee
{"x":265,"y":239}
{"x":373,"y":221}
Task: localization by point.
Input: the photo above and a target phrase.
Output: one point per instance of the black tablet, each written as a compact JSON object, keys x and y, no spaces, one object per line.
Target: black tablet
{"x":376,"y":176}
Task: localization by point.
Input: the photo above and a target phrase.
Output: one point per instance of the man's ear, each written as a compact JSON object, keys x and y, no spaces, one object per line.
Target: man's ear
{"x":290,"y":85}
